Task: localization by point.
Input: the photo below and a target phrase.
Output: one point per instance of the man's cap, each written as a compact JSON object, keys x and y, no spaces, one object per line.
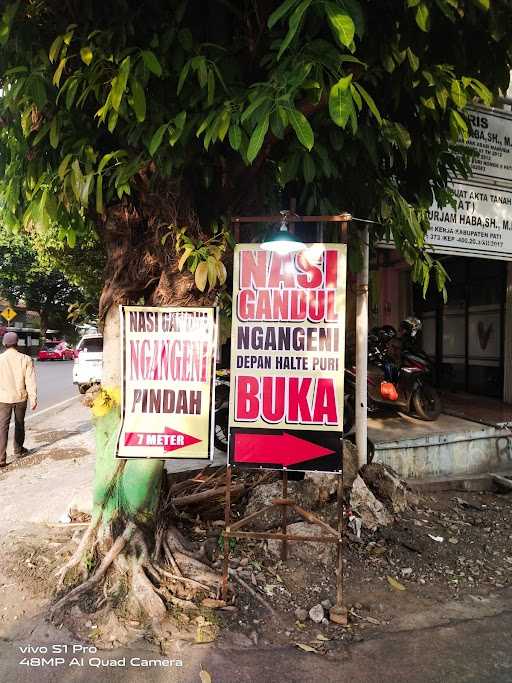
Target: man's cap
{"x":10,"y":339}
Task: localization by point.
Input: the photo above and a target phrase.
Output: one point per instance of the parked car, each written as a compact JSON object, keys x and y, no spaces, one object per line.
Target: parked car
{"x":87,"y":369}
{"x":56,"y":350}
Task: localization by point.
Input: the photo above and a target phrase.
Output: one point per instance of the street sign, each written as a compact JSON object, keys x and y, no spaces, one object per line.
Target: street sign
{"x":480,"y":225}
{"x":287,"y":358}
{"x":167,"y":382}
{"x":8,"y":313}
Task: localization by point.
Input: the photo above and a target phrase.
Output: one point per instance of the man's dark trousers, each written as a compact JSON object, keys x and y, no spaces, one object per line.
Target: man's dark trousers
{"x":6,"y":410}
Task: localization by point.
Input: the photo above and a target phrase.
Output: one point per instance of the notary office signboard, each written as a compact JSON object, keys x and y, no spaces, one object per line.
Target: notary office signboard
{"x":168,"y":375}
{"x":480,"y":224}
{"x":287,"y":358}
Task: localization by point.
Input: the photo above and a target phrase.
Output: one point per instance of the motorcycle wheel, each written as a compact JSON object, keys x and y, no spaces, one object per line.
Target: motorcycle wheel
{"x":426,"y":403}
{"x":221,"y":431}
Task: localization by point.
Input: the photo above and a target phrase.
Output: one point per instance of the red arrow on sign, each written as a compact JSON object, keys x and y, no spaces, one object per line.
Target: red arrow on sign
{"x":279,"y":449}
{"x":170,"y":440}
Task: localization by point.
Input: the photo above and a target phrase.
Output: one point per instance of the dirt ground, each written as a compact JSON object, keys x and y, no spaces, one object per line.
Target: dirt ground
{"x":451,"y":546}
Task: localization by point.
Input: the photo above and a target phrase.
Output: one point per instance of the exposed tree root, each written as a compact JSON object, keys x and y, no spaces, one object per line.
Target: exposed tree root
{"x":116,"y":549}
{"x":77,"y":558}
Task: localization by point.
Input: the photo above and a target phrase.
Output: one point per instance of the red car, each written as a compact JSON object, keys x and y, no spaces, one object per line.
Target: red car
{"x":56,"y":350}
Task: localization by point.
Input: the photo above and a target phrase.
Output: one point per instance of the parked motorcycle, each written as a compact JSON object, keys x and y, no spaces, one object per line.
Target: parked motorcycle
{"x":402,"y":385}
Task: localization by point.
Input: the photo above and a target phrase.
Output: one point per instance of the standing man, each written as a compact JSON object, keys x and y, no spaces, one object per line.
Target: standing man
{"x":17,"y":385}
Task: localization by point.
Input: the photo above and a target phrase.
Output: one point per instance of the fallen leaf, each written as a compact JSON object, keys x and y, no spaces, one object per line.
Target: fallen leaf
{"x":371,"y":620}
{"x":306,"y":648}
{"x":213,"y":604}
{"x":395,"y":584}
{"x":321,"y":636}
{"x":205,"y":676}
{"x":438,"y":539}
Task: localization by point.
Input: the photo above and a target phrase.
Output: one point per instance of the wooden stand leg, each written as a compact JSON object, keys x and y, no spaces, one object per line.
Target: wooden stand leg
{"x":227,"y":523}
{"x":284,"y":524}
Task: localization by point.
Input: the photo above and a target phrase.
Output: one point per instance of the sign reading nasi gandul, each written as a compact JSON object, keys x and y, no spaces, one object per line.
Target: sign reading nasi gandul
{"x":287,"y":358}
{"x":167,"y":379}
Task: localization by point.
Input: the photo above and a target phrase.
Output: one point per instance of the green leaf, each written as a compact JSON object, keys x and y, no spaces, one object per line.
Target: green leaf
{"x":202,"y":73}
{"x":458,"y":95}
{"x":212,"y":271}
{"x":253,"y":106}
{"x":63,"y":166}
{"x":151,"y":62}
{"x":482,"y":91}
{"x":293,"y":26}
{"x":86,"y":55}
{"x":211,"y":87}
{"x":458,"y":126}
{"x":86,"y":187}
{"x":184,"y":257}
{"x":71,"y":93}
{"x":113,"y":118}
{"x":355,"y":10}
{"x":76,"y":179}
{"x":156,"y":140}
{"x":55,"y":48}
{"x":138,"y":100}
{"x":257,"y":138}
{"x":225,"y":119}
{"x":370,"y":103}
{"x":482,"y":4}
{"x":413,"y":60}
{"x":119,"y":83}
{"x":302,"y":129}
{"x":235,"y":136}
{"x":71,"y":238}
{"x":221,"y":272}
{"x":201,"y":276}
{"x":280,"y":12}
{"x":54,"y":133}
{"x":308,"y":168}
{"x":99,"y":193}
{"x":442,"y":97}
{"x":183,"y":75}
{"x":41,"y":134}
{"x":423,"y":17}
{"x":340,"y":101}
{"x":26,"y":122}
{"x":58,"y":72}
{"x":341,"y":23}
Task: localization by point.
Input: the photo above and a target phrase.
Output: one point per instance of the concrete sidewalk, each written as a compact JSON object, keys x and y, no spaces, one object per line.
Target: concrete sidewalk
{"x":61,"y":459}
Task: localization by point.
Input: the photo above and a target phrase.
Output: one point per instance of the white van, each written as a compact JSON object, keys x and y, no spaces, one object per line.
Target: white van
{"x":87,"y":369}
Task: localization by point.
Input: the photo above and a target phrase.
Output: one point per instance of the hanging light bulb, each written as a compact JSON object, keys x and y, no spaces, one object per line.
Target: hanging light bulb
{"x":282,"y":241}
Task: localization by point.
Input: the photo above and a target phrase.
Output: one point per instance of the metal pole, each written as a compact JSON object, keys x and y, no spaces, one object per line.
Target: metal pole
{"x":227,"y":522}
{"x":362,"y":352}
{"x":284,"y":521}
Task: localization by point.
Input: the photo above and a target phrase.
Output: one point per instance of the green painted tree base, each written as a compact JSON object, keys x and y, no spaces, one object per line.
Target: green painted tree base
{"x":122,"y":488}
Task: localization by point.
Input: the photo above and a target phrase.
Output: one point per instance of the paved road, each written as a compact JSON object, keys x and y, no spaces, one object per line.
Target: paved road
{"x":54,"y":383}
{"x":468,"y":651}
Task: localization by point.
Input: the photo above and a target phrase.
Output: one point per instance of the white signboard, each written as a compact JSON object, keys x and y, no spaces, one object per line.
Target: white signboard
{"x":168,"y":376}
{"x":491,"y":138}
{"x":480,"y":225}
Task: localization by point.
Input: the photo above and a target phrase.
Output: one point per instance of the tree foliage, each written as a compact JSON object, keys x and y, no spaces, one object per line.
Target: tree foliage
{"x":226,"y":106}
{"x":44,"y":290}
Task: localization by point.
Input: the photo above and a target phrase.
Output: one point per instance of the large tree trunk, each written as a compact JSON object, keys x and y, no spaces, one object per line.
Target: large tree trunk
{"x":131,"y":546}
